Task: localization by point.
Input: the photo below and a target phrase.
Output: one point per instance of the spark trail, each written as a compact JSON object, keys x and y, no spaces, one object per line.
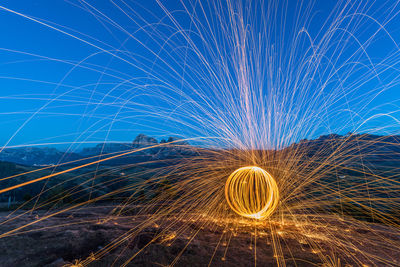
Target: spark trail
{"x":251,"y":85}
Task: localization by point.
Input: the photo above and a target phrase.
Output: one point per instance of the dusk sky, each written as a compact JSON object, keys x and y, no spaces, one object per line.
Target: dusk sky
{"x":204,"y":132}
{"x":66,"y":57}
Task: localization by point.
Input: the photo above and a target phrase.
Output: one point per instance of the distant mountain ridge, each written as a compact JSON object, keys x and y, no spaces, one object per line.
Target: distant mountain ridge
{"x":39,"y":156}
{"x":382,"y":149}
{"x":351,"y":155}
{"x":36,"y":156}
{"x":362,"y":143}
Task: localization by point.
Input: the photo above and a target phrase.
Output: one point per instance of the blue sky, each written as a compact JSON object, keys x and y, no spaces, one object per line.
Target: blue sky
{"x":39,"y":73}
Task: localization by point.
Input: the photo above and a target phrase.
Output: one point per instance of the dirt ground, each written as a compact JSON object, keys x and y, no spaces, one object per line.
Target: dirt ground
{"x":73,"y":236}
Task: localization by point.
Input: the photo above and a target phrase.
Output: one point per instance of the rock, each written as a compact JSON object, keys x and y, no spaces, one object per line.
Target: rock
{"x":57,"y":263}
{"x":143,"y":140}
{"x":176,"y":141}
{"x":105,"y":148}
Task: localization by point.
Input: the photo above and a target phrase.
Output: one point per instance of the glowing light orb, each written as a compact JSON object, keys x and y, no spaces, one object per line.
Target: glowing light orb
{"x":252,"y":192}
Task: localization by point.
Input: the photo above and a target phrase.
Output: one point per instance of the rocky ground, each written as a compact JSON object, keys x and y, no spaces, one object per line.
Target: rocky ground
{"x":71,"y":237}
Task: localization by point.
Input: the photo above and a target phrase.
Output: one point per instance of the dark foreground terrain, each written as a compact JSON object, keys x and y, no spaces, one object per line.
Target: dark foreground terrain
{"x":78,"y":237}
{"x":70,"y":237}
